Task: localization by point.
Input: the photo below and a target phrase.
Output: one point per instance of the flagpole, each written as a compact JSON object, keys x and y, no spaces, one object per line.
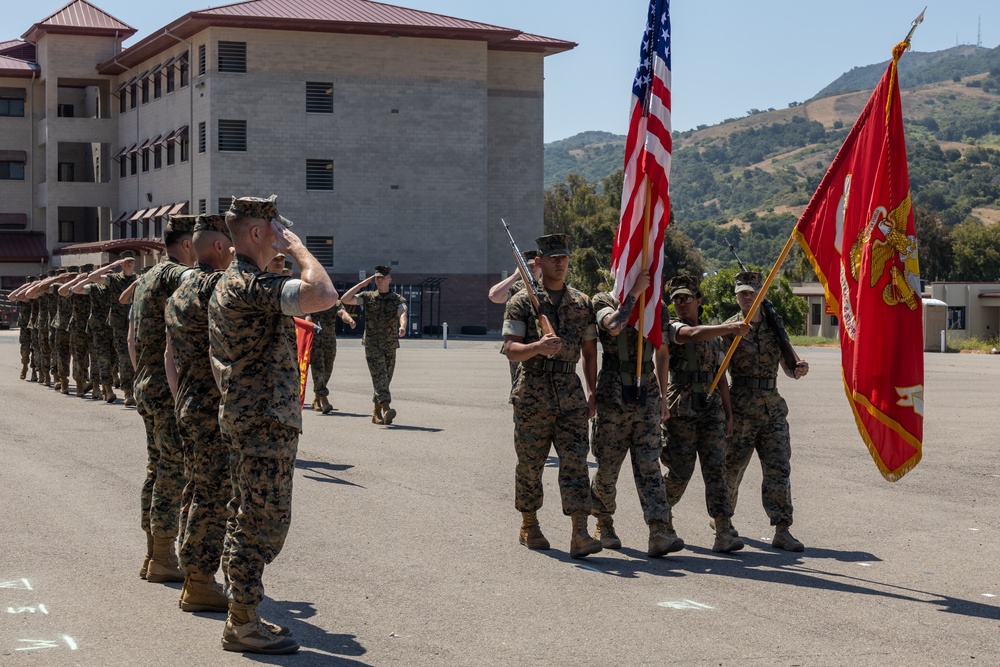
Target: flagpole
{"x":753,"y":310}
{"x":642,"y":297}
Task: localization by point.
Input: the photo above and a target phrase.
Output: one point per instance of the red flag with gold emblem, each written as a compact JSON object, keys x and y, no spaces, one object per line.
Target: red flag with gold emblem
{"x":304,"y":334}
{"x":858,"y":233}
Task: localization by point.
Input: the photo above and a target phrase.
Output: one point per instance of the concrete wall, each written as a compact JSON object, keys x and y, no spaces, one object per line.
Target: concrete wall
{"x":982,"y":313}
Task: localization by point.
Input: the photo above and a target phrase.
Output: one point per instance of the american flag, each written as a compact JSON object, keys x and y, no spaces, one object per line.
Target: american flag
{"x":647,"y":170}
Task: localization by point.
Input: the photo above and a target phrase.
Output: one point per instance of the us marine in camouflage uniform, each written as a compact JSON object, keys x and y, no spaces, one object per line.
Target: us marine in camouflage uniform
{"x":38,"y":293}
{"x":79,"y":339}
{"x":164,"y":483}
{"x":550,"y":407}
{"x":196,"y":407}
{"x":385,"y":324}
{"x":26,"y":326}
{"x":61,"y":324}
{"x":102,"y":350}
{"x":117,"y":283}
{"x":36,"y":349}
{"x":760,"y":414}
{"x":627,"y":423}
{"x":324,"y":352}
{"x":255,"y":360}
{"x":697,"y":427}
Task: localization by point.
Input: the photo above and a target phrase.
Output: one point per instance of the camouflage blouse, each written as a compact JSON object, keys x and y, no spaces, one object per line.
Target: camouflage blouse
{"x":609,"y":382}
{"x":252,"y":342}
{"x":63,"y":308}
{"x":327,"y":320}
{"x":116,"y":283}
{"x":757,"y":356}
{"x":148,"y":322}
{"x":100,"y":305}
{"x":381,"y":318}
{"x":80,"y":305}
{"x":186,"y":318}
{"x":684,"y":383}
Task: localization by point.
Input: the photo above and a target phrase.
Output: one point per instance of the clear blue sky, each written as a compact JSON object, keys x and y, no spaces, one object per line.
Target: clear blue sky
{"x":729,"y":56}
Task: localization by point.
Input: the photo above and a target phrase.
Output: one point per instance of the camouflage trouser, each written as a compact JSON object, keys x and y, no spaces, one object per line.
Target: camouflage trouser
{"x":264,"y":464}
{"x":63,"y":353}
{"x":24,"y":338}
{"x":323,"y":356}
{"x":164,"y":484}
{"x":36,"y":350}
{"x":768,"y":436}
{"x":80,"y":344}
{"x":209,"y":488}
{"x":535,"y":433}
{"x":101,"y":355}
{"x":381,"y":364}
{"x":619,"y":431}
{"x":124,"y":364}
{"x":53,"y":357}
{"x":704,"y":438}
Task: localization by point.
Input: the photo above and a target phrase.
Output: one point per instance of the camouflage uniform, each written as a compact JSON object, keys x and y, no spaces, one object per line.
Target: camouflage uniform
{"x":64,"y":313}
{"x":164,"y":484}
{"x":381,"y":338}
{"x":694,"y":430}
{"x":623,"y":427}
{"x":760,"y":421}
{"x":53,"y":306}
{"x":550,"y":408}
{"x":116,"y":283}
{"x":252,"y":336}
{"x":209,"y":486}
{"x":41,"y":334}
{"x":79,"y":343}
{"x":324,"y":348}
{"x":102,"y":351}
{"x":24,"y":334}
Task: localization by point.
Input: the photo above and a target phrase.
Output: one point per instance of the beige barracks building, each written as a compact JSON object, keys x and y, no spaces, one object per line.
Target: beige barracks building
{"x":389,"y":135}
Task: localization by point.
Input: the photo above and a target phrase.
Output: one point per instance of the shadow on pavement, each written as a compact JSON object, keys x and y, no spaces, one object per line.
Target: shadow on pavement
{"x":425,"y":429}
{"x":318,"y":647}
{"x":318,"y":468}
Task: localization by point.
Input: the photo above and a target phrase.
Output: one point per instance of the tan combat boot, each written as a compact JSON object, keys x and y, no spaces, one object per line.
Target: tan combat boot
{"x":388,"y":414}
{"x":63,"y":385}
{"x":34,"y":375}
{"x":56,"y":383}
{"x":43,"y":377}
{"x":732,"y":528}
{"x":582,"y":544}
{"x":606,"y":532}
{"x":202,"y":593}
{"x":316,"y":405}
{"x":109,"y":394}
{"x":784,"y":540}
{"x":325,"y":405}
{"x":246,"y":631}
{"x":129,"y":398}
{"x":531,"y":533}
{"x":149,"y":555}
{"x":377,"y":414}
{"x":81,"y":388}
{"x":24,"y":371}
{"x":662,"y":539}
{"x":724,"y":540}
{"x":163,"y":566}
{"x":98,"y":393}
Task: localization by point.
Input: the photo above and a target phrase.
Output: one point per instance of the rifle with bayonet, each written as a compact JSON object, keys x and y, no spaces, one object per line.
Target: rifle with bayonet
{"x":530,"y":284}
{"x":787,"y":352}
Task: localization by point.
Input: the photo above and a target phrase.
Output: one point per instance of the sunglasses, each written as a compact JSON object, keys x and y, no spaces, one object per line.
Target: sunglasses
{"x":682,"y":298}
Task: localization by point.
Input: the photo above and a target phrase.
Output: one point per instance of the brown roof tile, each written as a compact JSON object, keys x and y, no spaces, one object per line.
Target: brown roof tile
{"x":80,"y":17}
{"x":15,"y":67}
{"x":23,"y":247}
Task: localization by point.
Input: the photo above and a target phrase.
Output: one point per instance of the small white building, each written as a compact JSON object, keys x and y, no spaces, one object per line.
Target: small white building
{"x":973,"y":308}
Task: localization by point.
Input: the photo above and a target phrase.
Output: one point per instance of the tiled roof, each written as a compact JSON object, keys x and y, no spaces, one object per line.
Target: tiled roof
{"x":19,"y":49}
{"x":115,"y":246}
{"x":361,"y":17}
{"x":23,"y":247}
{"x":15,"y":67}
{"x":80,"y":17}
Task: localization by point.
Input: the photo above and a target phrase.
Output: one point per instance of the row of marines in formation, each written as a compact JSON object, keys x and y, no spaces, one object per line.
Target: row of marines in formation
{"x":670,"y":419}
{"x":207,"y":353}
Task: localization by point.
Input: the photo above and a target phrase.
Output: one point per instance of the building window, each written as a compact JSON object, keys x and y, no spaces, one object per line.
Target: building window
{"x":232,"y":135}
{"x":145,"y":160}
{"x":131,"y":164}
{"x":170,"y":153}
{"x":122,"y":168}
{"x":321,"y":248}
{"x":145,"y":91}
{"x":67,"y":231}
{"x":66,"y":172}
{"x":201,"y":137}
{"x":11,"y":171}
{"x":170,"y":79}
{"x":122,"y":102}
{"x":956,"y":318}
{"x":834,"y":321}
{"x":817,"y":314}
{"x":224,"y":204}
{"x":157,"y":157}
{"x":233,"y":57}
{"x":12,"y":102}
{"x":185,"y":147}
{"x":183,"y":66}
{"x":133,"y":96}
{"x":202,"y":207}
{"x":201,"y":60}
{"x":65,"y":111}
{"x":319,"y":174}
{"x":157,"y":86}
{"x":319,"y":97}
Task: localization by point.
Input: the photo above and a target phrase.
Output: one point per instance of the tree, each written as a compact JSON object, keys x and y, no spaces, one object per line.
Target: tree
{"x":933,"y":242}
{"x":976,"y":252}
{"x":719,"y":301}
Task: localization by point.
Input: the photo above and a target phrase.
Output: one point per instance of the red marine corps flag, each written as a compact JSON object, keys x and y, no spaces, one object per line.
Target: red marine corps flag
{"x":305,"y":331}
{"x":858,"y":233}
{"x":645,"y":193}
